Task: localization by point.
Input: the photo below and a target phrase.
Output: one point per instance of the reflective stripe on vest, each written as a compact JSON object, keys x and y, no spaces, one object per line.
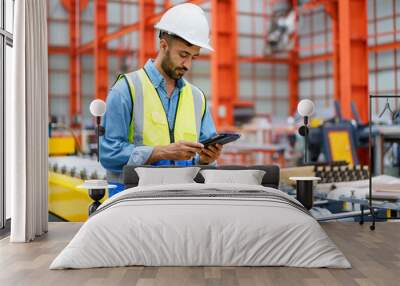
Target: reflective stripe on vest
{"x":149,"y":124}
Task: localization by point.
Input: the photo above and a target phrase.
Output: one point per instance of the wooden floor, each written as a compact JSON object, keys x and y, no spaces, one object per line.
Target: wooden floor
{"x":375,"y":257}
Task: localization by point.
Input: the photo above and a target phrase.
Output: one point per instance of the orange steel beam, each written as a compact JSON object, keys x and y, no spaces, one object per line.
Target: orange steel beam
{"x":167,"y":4}
{"x":129,"y":29}
{"x":263,"y":59}
{"x":293,"y":83}
{"x":121,"y":32}
{"x":224,"y":64}
{"x":326,"y":57}
{"x":315,"y":3}
{"x":315,"y":58}
{"x":353,"y":57}
{"x":147,"y":45}
{"x":70,"y":5}
{"x":156,"y":17}
{"x":60,"y":50}
{"x":74,"y":102}
{"x":332,"y":9}
{"x":385,"y":47}
{"x":85,"y":48}
{"x":100,"y":49}
{"x":242,"y":59}
{"x":294,"y":70}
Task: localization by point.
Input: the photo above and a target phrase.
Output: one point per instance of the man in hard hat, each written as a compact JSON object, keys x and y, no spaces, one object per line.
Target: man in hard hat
{"x":154,"y":116}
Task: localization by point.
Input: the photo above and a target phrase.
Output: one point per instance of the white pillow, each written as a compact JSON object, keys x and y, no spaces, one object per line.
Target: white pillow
{"x":248,"y":177}
{"x":166,"y":176}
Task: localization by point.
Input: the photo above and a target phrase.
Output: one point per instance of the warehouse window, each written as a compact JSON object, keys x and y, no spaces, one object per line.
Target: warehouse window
{"x":384,"y":54}
{"x":315,"y":70}
{"x":6,"y":43}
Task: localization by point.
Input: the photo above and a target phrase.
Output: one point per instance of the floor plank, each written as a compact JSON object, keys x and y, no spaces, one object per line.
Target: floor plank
{"x":374,"y":255}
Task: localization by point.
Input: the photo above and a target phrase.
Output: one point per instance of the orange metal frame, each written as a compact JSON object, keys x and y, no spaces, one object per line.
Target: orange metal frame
{"x":73,"y":63}
{"x":100,"y":49}
{"x":147,"y":47}
{"x":353,"y":56}
{"x":294,"y":71}
{"x":73,"y":24}
{"x":349,"y":55}
{"x":224,"y":65}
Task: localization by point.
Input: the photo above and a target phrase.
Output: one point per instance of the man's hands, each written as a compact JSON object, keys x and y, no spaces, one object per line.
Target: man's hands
{"x":210,"y":153}
{"x":184,"y":150}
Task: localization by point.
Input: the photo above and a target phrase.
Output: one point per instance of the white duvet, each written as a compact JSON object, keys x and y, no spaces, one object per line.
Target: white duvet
{"x":188,"y":231}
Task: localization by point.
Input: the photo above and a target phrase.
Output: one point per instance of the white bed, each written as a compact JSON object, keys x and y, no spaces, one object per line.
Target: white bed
{"x":203,"y":225}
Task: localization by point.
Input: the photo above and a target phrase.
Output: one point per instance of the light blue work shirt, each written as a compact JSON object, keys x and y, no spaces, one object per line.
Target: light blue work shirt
{"x":115,"y":149}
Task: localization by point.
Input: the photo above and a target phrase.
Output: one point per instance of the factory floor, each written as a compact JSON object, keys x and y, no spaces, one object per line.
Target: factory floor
{"x":374,"y":255}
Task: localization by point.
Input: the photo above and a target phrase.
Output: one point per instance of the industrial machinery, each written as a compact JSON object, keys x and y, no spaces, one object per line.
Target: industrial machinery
{"x":338,"y":139}
{"x":343,"y":191}
{"x":66,"y":201}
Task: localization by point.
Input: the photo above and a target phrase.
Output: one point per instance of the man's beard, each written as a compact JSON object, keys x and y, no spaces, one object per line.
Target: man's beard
{"x":169,"y":68}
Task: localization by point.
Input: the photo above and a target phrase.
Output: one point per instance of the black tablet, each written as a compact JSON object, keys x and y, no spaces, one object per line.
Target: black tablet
{"x":222,"y":138}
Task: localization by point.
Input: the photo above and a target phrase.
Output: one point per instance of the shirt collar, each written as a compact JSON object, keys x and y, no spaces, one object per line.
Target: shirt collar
{"x":156,"y":78}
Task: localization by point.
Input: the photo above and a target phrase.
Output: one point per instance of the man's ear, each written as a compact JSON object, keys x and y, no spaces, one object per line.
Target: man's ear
{"x":163,"y":45}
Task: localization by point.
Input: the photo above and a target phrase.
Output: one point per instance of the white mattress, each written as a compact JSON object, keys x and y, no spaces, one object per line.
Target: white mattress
{"x":190,"y":230}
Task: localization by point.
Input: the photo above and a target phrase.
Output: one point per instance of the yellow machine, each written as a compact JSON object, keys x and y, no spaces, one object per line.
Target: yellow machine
{"x":66,"y":173}
{"x":340,"y":146}
{"x":61,"y":146}
{"x":66,"y":201}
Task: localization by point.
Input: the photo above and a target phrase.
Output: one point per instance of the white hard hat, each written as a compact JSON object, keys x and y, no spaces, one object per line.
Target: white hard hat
{"x":188,"y":22}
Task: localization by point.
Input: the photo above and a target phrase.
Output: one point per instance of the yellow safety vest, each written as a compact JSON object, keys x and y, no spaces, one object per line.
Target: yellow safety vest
{"x":149,"y":125}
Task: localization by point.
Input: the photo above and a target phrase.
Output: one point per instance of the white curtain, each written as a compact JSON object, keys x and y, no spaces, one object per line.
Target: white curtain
{"x":27,"y":123}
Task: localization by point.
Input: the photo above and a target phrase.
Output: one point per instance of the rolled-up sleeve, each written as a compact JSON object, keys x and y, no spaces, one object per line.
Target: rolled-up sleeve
{"x":115,"y":149}
{"x":140,"y":155}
